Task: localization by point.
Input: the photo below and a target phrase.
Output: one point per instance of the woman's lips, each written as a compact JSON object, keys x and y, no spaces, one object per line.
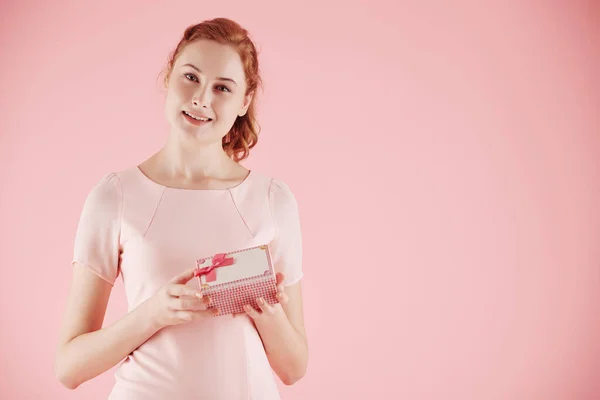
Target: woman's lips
{"x":194,"y":121}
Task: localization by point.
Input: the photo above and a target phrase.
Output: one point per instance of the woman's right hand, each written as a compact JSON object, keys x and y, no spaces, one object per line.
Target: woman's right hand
{"x":176,"y":303}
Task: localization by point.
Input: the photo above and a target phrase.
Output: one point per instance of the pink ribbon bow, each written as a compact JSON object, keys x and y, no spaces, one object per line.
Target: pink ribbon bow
{"x":219,"y":260}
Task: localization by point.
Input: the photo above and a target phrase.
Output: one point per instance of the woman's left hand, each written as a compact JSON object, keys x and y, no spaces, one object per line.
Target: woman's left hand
{"x":267,"y":310}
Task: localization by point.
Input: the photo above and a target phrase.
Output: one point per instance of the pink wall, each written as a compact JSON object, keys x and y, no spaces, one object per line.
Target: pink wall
{"x":445,"y":159}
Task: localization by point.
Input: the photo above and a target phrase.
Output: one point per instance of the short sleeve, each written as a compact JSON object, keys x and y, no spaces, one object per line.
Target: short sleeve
{"x":286,"y":246}
{"x":98,"y":232}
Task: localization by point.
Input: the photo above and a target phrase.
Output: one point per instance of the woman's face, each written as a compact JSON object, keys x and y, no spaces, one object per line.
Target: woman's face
{"x":207,"y":81}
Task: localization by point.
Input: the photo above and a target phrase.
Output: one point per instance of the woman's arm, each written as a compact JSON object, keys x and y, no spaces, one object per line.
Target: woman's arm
{"x":281,"y":328}
{"x":85,"y":350}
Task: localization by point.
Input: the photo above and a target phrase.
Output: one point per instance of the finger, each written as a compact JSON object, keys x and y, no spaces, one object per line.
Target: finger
{"x":178,"y":290}
{"x":264,"y":306}
{"x":186,"y":304}
{"x":211,"y":312}
{"x":251,"y":311}
{"x":280,"y":288}
{"x":186,"y":315}
{"x":189,"y":303}
{"x":280,"y":277}
{"x":282,"y":298}
{"x":184,"y":277}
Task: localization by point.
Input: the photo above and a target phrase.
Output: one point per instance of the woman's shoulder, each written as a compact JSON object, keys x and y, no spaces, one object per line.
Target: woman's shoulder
{"x":278,"y":190}
{"x":275,"y":185}
{"x":114,"y":177}
{"x":111,"y":185}
{"x":105,"y":188}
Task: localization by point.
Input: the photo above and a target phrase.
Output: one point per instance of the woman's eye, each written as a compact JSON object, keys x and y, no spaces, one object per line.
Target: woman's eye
{"x":192,"y":77}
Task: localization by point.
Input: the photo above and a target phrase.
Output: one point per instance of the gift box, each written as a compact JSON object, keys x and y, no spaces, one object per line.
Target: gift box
{"x":235,"y":279}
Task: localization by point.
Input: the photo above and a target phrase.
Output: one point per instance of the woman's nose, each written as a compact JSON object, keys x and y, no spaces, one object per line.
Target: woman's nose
{"x":201,"y":98}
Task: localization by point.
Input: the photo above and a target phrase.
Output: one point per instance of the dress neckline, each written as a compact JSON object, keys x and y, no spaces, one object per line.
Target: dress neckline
{"x":153,"y":182}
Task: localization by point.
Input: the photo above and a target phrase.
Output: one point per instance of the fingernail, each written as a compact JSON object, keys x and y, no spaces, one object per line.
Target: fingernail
{"x":199,"y":295}
{"x":261,"y":300}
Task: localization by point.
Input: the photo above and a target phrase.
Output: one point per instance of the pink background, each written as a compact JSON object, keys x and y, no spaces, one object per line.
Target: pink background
{"x":445,"y":159}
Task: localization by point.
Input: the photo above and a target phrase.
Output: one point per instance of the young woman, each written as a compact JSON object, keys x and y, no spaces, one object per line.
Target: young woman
{"x":149,"y":223}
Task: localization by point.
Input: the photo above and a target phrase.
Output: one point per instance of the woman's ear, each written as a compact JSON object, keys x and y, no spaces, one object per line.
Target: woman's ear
{"x":247,"y":102}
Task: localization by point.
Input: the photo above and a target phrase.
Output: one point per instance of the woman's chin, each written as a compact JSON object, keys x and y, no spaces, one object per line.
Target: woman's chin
{"x":205,"y":136}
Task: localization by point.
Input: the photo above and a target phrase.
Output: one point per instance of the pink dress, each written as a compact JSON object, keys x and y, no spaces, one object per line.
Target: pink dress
{"x":147,"y":233}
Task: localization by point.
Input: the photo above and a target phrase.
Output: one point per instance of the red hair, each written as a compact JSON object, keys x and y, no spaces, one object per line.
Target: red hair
{"x":243,"y":135}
